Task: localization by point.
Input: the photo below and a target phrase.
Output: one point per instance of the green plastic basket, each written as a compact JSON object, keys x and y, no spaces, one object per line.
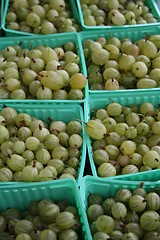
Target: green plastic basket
{"x":63,"y":112}
{"x":108,"y":188}
{"x":132,"y":33}
{"x":20,"y":197}
{"x":1,"y":9}
{"x":158,"y":4}
{"x":10,"y":32}
{"x":149,"y":3}
{"x":151,"y":176}
{"x":125,"y":99}
{"x":51,"y":41}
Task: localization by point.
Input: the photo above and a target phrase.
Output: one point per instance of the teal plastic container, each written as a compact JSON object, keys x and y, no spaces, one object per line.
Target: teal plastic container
{"x":20,"y":197}
{"x":51,"y":41}
{"x":151,"y":176}
{"x":1,"y":14}
{"x":61,"y":111}
{"x":149,"y":3}
{"x":131,"y":33}
{"x":108,"y":189}
{"x":125,"y":99}
{"x":10,"y":32}
{"x":158,"y":4}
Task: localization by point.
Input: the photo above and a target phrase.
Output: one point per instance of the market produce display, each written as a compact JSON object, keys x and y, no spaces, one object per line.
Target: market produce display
{"x":31,"y":150}
{"x":114,"y":64}
{"x":116,"y":12}
{"x":42,"y":73}
{"x":41,"y":17}
{"x":125,"y":140}
{"x":44,"y":219}
{"x":45,"y":194}
{"x":130,"y":214}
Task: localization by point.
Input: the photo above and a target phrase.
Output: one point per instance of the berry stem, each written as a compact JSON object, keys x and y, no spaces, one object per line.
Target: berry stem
{"x":34,"y":163}
{"x":40,"y":127}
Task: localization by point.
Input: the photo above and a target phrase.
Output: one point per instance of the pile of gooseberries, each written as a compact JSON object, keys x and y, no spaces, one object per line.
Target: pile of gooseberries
{"x":125,"y":139}
{"x":33,"y":150}
{"x":42,"y":73}
{"x":129,"y":214}
{"x":118,"y":64}
{"x":45,"y":219}
{"x":116,"y":12}
{"x":41,"y":17}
